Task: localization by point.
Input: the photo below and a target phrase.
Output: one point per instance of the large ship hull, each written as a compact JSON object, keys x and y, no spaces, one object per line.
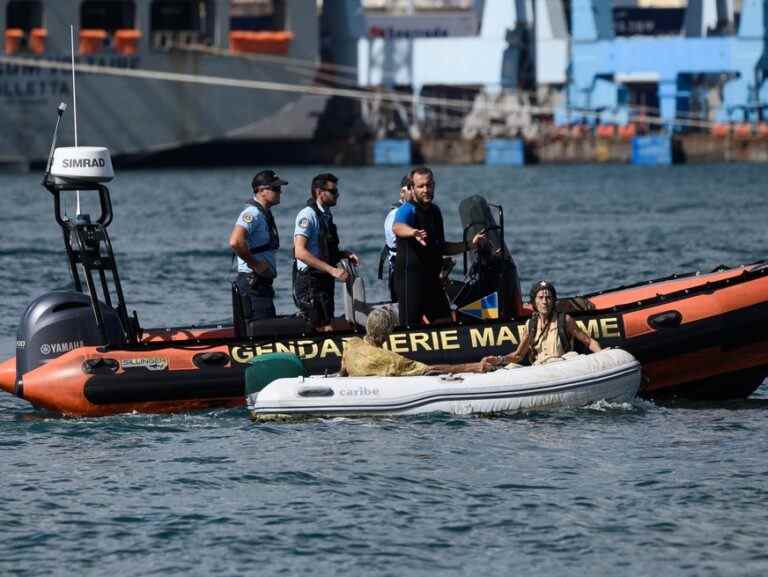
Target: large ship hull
{"x":696,"y":336}
{"x":163,"y":95}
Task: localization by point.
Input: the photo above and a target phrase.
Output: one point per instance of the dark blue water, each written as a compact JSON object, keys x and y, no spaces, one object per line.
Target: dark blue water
{"x":633,"y":490}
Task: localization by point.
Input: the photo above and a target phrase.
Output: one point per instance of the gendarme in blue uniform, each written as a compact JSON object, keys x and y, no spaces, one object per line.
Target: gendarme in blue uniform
{"x":389,"y":236}
{"x":255,"y":222}
{"x":313,"y":290}
{"x":256,"y":292}
{"x":308,"y":225}
{"x":389,"y":251}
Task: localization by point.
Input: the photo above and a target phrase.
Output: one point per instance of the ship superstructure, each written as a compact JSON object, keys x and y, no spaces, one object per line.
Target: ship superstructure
{"x":524,"y":65}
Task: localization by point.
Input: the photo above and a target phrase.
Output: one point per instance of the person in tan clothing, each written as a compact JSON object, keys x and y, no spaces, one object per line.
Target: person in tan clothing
{"x":367,"y":357}
{"x":548,"y":335}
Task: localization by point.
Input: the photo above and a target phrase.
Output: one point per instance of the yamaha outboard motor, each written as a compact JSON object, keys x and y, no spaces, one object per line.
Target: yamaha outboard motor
{"x":58,"y":322}
{"x":492,"y":269}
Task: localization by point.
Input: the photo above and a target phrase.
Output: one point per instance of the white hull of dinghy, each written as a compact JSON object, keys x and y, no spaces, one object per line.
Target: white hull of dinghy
{"x":611,"y":375}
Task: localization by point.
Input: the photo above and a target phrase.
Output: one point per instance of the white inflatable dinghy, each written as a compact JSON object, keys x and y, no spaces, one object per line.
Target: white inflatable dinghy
{"x":612,"y":375}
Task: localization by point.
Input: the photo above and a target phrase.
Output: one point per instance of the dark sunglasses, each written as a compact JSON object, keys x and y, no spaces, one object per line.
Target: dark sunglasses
{"x":273,"y":188}
{"x":333,"y":191}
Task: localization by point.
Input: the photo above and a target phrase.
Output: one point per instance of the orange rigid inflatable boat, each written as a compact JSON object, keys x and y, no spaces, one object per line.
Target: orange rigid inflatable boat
{"x":697,"y":336}
{"x":79,"y":353}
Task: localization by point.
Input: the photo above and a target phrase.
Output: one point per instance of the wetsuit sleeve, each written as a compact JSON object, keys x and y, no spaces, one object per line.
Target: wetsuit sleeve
{"x":306,"y":223}
{"x":406,"y":214}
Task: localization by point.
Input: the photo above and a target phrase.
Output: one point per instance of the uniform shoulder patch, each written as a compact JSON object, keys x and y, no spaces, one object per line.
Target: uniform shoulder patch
{"x":247,"y":218}
{"x":304,"y":222}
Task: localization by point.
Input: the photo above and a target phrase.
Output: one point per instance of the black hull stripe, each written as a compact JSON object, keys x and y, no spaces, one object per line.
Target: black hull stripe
{"x":142,"y":386}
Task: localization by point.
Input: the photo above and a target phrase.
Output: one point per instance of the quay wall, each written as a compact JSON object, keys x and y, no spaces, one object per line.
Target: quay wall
{"x":694,"y":148}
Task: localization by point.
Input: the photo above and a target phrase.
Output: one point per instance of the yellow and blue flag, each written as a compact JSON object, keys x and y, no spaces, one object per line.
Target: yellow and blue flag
{"x":484,"y":308}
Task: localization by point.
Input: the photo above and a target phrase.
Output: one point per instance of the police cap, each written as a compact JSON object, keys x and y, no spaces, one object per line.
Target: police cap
{"x":267,"y":178}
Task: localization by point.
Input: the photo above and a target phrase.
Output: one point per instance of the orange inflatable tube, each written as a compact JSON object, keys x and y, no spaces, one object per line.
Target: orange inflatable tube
{"x":8,"y":375}
{"x":89,"y":383}
{"x":33,"y":381}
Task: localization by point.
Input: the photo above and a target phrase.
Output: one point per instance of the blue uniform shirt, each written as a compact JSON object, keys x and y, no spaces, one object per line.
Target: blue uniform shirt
{"x":308,"y":226}
{"x":257,"y":234}
{"x":406,"y":214}
{"x":389,"y":237}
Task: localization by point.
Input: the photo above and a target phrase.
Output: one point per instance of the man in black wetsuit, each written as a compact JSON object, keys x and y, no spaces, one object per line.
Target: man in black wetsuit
{"x":421,"y":246}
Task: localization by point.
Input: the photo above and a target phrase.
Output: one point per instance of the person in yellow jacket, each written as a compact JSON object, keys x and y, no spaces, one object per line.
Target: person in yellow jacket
{"x":367,"y":357}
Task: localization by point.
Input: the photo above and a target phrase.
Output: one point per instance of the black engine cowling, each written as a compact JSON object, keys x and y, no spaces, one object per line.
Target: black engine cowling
{"x":58,"y":322}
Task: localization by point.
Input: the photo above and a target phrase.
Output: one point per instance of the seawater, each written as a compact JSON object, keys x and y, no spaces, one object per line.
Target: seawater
{"x":637,"y":489}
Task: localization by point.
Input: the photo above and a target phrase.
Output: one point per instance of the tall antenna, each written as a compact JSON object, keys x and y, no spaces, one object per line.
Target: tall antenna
{"x":74,"y":96}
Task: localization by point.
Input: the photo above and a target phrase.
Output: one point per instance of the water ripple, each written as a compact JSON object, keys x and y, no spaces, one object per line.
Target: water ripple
{"x":672,"y":488}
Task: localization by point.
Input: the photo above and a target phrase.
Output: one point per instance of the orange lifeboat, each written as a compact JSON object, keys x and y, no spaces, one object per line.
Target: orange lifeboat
{"x":606,"y":131}
{"x":92,"y":40}
{"x":628,"y":131}
{"x":127,"y":41}
{"x":742,"y":131}
{"x":37,"y":40}
{"x":13,"y":39}
{"x":720,"y":130}
{"x":260,"y":42}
